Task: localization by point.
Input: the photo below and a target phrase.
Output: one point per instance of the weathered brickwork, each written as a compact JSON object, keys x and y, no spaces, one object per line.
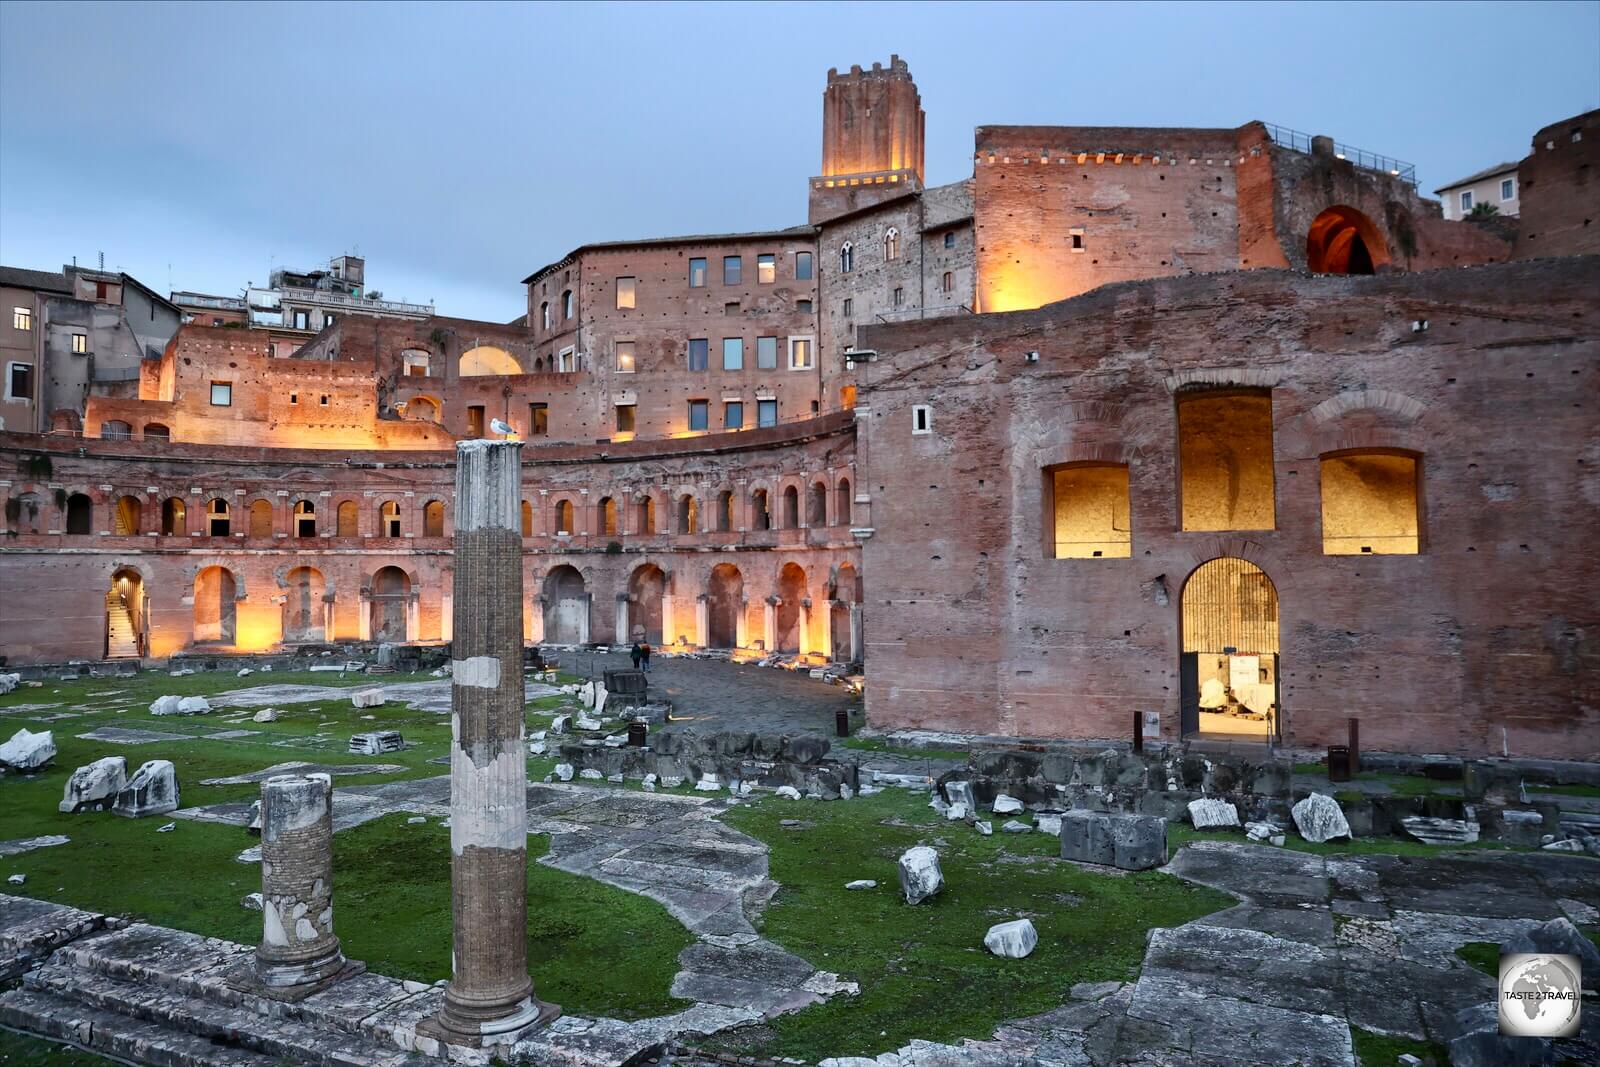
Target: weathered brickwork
{"x":1483,"y":641}
{"x":1560,"y":214}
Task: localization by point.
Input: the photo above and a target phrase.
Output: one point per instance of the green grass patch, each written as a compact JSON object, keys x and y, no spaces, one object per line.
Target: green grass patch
{"x":1483,"y":955}
{"x":1382,"y":1050}
{"x":923,"y":970}
{"x":873,"y":744}
{"x":20,"y":1050}
{"x":1565,"y":790}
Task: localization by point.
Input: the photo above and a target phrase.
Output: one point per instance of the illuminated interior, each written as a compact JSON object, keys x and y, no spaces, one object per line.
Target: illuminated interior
{"x":1344,"y":241}
{"x":1091,"y":512}
{"x":485,"y":360}
{"x":215,"y":606}
{"x":1230,"y":641}
{"x":1369,"y":504}
{"x":1225,"y":461}
{"x":724,"y":602}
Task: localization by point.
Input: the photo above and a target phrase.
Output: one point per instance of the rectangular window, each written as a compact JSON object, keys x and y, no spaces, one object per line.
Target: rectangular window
{"x":948,"y":284}
{"x":802,"y":266}
{"x":803,"y":306}
{"x":731,"y":309}
{"x":1077,"y":239}
{"x":766,"y":413}
{"x":625,"y":357}
{"x":1369,"y":504}
{"x":733,"y":415}
{"x":950,"y":239}
{"x":766,"y":353}
{"x":21,"y":318}
{"x":921,"y":419}
{"x":324,"y":400}
{"x":733,"y":353}
{"x":699,"y":353}
{"x":732,"y":269}
{"x":538,"y":420}
{"x":625,"y":422}
{"x":627,"y":292}
{"x":849,"y":307}
{"x":899,"y":297}
{"x":80,"y":343}
{"x":1225,"y":461}
{"x":697,"y":274}
{"x":1508,"y":189}
{"x":328,"y":319}
{"x":294,"y":398}
{"x":302,"y":320}
{"x":699,"y":414}
{"x":1091,"y":512}
{"x":766,"y":269}
{"x":221,"y":394}
{"x":19,"y":381}
{"x":799,"y":353}
{"x":475,"y":420}
{"x":1466,"y":200}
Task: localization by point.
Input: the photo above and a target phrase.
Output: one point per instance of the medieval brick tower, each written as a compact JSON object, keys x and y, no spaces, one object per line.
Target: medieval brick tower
{"x":872,"y":128}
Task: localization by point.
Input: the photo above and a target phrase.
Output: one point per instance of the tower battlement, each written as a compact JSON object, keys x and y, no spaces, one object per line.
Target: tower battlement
{"x":872,"y":127}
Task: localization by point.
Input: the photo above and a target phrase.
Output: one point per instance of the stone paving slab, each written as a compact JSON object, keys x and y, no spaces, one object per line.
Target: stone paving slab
{"x":431,"y":696}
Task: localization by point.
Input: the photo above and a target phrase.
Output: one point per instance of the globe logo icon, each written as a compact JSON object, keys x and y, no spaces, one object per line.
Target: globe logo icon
{"x":1540,"y":995}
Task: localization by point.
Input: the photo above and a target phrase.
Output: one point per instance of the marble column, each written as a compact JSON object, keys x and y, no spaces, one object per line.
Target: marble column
{"x":490,"y":996}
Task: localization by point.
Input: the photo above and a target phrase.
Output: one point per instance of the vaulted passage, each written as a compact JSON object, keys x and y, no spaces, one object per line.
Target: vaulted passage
{"x":1369,"y":504}
{"x":724,"y":603}
{"x":304,"y":607}
{"x":215,"y":606}
{"x":1228,"y":670}
{"x":646,"y":586}
{"x":1225,"y":460}
{"x":1344,"y":241}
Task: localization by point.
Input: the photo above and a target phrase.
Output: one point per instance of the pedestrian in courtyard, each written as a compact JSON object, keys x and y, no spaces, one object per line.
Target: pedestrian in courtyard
{"x":645,"y":650}
{"x":637,"y":653}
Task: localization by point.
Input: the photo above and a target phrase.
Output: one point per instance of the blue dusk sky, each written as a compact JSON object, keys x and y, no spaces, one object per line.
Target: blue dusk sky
{"x":458,"y":147}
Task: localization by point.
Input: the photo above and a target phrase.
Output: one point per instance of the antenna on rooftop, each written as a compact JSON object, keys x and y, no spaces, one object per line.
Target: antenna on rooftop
{"x":102,"y":261}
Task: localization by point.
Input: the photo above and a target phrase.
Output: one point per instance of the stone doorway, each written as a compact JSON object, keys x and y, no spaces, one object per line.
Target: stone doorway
{"x":1228,"y":667}
{"x":125,"y":615}
{"x":724,"y":602}
{"x":390,"y":605}
{"x":646,"y":586}
{"x":568,"y":607}
{"x":215,"y":606}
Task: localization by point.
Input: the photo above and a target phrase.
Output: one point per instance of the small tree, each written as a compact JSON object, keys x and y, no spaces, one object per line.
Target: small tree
{"x":1483,"y":210}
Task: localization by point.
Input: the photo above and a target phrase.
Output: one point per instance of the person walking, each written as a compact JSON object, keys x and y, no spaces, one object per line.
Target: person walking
{"x":637,"y":654}
{"x":645,"y":649}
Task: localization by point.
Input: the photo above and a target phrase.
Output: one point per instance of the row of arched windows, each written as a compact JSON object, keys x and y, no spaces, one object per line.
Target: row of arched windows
{"x":689,"y":514}
{"x":891,"y":250}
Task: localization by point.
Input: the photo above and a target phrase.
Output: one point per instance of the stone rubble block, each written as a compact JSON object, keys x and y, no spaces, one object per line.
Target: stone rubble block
{"x":377,"y":742}
{"x":1479,"y":1043}
{"x":1213,"y":814}
{"x":1013,"y":940}
{"x":8,"y":682}
{"x":960,"y":792}
{"x":1319,"y":818}
{"x":1047,"y":822}
{"x":1558,"y":937}
{"x":153,"y":790}
{"x":367,"y":698}
{"x":920,"y":875}
{"x":1437,"y":831}
{"x":984,"y":827}
{"x":861,"y":883}
{"x":1006,"y":805}
{"x":1112,"y":839}
{"x":1012,"y":826}
{"x":788,"y":792}
{"x":174,"y":705}
{"x":94,"y":786}
{"x":265,"y":715}
{"x":28,"y":751}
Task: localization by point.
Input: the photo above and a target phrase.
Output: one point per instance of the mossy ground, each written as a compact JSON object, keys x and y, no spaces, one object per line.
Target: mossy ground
{"x":1384,"y":1050}
{"x":20,"y":1050}
{"x":923,"y":970}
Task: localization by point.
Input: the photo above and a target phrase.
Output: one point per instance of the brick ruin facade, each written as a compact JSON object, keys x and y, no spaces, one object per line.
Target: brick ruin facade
{"x":804,"y":439}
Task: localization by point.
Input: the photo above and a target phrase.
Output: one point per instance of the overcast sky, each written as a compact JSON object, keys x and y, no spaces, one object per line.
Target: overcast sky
{"x":460,"y":147}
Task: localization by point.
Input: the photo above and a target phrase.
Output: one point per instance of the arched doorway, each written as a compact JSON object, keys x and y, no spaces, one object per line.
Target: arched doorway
{"x":127,"y":517}
{"x":172,"y":517}
{"x":724,"y":602}
{"x":791,"y":591}
{"x":391,"y":604}
{"x":566,"y":607}
{"x":215,"y":606}
{"x":125,"y":615}
{"x":304,"y":609}
{"x":646,"y":586}
{"x":80,"y":514}
{"x":1344,"y":241}
{"x":844,"y":613}
{"x":1228,"y":669}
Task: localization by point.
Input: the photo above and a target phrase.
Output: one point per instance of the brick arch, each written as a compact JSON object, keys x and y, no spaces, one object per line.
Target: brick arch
{"x":1224,"y":378}
{"x":1402,"y":408}
{"x":1210,"y":548}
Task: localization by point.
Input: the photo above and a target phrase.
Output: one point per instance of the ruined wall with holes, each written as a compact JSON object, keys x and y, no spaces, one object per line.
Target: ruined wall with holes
{"x":54,"y":584}
{"x":1560,"y":190}
{"x":1484,"y":640}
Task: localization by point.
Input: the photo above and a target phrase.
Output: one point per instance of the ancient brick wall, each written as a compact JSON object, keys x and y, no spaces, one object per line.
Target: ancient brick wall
{"x":1482,"y":642}
{"x":1560,"y":190}
{"x":54,"y":584}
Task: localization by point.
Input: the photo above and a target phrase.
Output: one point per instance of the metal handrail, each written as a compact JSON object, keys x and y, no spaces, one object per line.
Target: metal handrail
{"x":910,"y":314}
{"x":1297,"y":141}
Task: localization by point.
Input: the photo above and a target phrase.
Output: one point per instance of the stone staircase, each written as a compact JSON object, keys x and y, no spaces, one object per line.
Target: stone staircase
{"x":122,"y":641}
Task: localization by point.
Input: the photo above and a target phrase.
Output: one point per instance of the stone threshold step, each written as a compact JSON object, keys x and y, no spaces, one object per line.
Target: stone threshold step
{"x":276,"y":1038}
{"x":110,"y":1034}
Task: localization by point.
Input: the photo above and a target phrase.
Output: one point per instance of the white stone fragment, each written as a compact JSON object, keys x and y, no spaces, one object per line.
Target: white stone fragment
{"x":1319,"y":818}
{"x":591,"y":774}
{"x":1048,"y":822}
{"x":845,"y":792}
{"x":251,"y":901}
{"x":8,"y":682}
{"x":1013,"y":940}
{"x":671,"y":781}
{"x":861,"y":883}
{"x":585,"y":722}
{"x":166,"y":828}
{"x":1006,"y":805}
{"x":265,"y":715}
{"x":415,"y":819}
{"x":367,"y":698}
{"x":476,"y":672}
{"x":95,"y":785}
{"x":985,"y":827}
{"x":28,"y":751}
{"x":960,"y":792}
{"x":1012,"y":826}
{"x":17,"y":879}
{"x":649,"y":783}
{"x":153,"y":790}
{"x":708,"y":783}
{"x":788,"y":792}
{"x":920,"y":876}
{"x":1210,"y":813}
{"x":1259,"y":831}
{"x":559,"y":726}
{"x":956,"y":812}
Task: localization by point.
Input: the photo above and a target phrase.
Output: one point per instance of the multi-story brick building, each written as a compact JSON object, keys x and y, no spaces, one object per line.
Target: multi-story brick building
{"x":1104,"y":428}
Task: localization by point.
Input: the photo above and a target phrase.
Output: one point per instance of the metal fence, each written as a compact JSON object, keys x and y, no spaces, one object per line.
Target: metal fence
{"x":1297,"y":141}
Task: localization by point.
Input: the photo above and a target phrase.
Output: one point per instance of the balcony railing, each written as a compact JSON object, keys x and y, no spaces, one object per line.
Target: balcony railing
{"x":1296,"y":141}
{"x":913,"y":314}
{"x":327,"y":298}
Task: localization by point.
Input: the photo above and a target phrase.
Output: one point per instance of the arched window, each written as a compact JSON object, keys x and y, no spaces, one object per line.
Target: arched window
{"x":127,"y":516}
{"x":847,"y":258}
{"x":566,"y":305}
{"x":647,"y":515}
{"x":155,"y":431}
{"x":113,"y":430}
{"x":1369,"y":504}
{"x":527,"y":519}
{"x":791,"y":508}
{"x":260,"y":518}
{"x":388,"y":519}
{"x":218,"y":515}
{"x":688,"y":514}
{"x":485,"y":360}
{"x":564,"y":516}
{"x":80,"y":514}
{"x":760,"y":511}
{"x":172,"y":517}
{"x":891,"y":244}
{"x":608,"y":516}
{"x":544,"y":314}
{"x":433,"y":519}
{"x":1344,"y":241}
{"x":817,"y":505}
{"x":349,"y":519}
{"x":725,"y":510}
{"x":305,"y":519}
{"x":844,"y":508}
{"x":422,"y":409}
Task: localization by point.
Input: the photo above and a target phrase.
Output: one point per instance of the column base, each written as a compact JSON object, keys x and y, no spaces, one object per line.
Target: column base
{"x":476,"y":1026}
{"x":292,"y":982}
